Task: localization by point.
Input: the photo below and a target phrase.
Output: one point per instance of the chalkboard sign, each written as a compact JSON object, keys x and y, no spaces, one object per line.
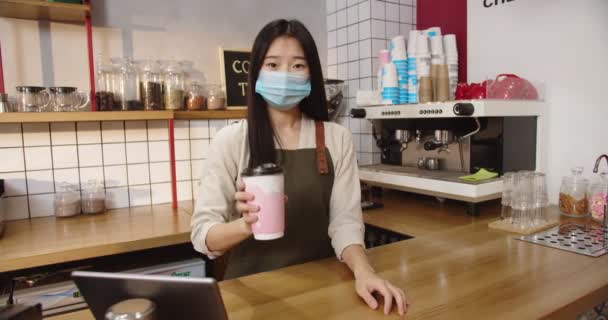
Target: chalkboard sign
{"x":235,"y":69}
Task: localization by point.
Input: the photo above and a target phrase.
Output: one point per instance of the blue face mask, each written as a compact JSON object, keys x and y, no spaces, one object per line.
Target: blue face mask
{"x":282,"y":90}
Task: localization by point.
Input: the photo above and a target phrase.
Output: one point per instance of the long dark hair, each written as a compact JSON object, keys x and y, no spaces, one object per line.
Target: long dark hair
{"x":260,"y":132}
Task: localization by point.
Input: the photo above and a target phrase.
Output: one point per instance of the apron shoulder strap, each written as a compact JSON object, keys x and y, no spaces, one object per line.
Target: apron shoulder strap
{"x":322,"y":166}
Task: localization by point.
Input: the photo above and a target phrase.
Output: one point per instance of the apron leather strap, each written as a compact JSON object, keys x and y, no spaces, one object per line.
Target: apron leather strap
{"x":322,"y":166}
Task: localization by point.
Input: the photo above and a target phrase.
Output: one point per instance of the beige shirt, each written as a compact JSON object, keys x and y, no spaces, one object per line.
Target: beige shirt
{"x":229,"y":155}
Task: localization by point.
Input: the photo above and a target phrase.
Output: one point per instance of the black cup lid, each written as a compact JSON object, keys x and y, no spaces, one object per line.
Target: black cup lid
{"x":62,"y":89}
{"x":29,"y":89}
{"x":263,"y":170}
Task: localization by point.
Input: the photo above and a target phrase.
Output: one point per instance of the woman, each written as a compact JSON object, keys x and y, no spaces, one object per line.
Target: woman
{"x":285,"y":125}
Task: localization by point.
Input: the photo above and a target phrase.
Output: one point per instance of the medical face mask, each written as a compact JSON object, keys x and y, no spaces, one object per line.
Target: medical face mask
{"x":282,"y":90}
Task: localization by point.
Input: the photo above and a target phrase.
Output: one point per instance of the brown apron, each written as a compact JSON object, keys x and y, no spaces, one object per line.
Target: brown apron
{"x":308,"y":188}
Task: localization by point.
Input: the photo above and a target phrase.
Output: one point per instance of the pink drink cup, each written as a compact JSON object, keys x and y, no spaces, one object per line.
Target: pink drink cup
{"x":269,"y":196}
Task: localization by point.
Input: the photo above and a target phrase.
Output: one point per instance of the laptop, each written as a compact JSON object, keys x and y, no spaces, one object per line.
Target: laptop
{"x":175,"y":297}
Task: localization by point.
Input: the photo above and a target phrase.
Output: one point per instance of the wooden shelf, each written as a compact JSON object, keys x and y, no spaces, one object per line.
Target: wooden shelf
{"x":45,"y":241}
{"x":43,"y":10}
{"x":212,"y":114}
{"x":19,"y":117}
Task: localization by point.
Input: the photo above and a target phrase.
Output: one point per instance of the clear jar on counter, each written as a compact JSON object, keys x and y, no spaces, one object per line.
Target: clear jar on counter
{"x":128,"y":83}
{"x":150,"y":85}
{"x":173,"y":86}
{"x":216,"y":99}
{"x":195,"y":97}
{"x":93,"y":198}
{"x":597,"y":197}
{"x":105,"y":85}
{"x":67,"y":201}
{"x":573,"y":194}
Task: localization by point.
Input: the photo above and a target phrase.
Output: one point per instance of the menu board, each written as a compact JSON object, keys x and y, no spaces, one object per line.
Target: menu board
{"x":234,"y":65}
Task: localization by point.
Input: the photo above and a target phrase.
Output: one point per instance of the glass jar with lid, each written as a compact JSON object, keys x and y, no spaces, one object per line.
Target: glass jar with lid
{"x":67,"y":201}
{"x":573,"y":194}
{"x":216,"y":99}
{"x":93,"y":198}
{"x":597,"y":197}
{"x":173,"y":86}
{"x":195,"y":97}
{"x":105,"y":84}
{"x":128,"y":86}
{"x":150,"y":87}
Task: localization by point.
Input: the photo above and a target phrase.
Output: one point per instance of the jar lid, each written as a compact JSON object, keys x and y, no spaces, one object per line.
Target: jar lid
{"x":29,"y":89}
{"x":62,"y":89}
{"x":263,"y":170}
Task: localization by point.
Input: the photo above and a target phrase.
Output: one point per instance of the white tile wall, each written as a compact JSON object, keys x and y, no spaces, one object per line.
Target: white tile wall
{"x":137,"y":152}
{"x":11,"y":135}
{"x":65,"y":156}
{"x":63,"y":133}
{"x":138,"y":174}
{"x":69,"y":176}
{"x":88,"y":132}
{"x":117,"y":197}
{"x":130,"y":157}
{"x":16,"y":208}
{"x":112,"y":131}
{"x":89,"y":155}
{"x":38,"y":158}
{"x":160,"y":172}
{"x":115,"y":176}
{"x":161,"y":193}
{"x":36,"y":134}
{"x":114,"y":153}
{"x":352,"y":53}
{"x":14,"y":183}
{"x":136,"y":131}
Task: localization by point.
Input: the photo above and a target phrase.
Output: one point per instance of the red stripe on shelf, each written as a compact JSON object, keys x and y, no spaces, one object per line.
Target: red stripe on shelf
{"x":451,"y":16}
{"x":172,"y":163}
{"x":1,"y":72}
{"x":89,"y":29}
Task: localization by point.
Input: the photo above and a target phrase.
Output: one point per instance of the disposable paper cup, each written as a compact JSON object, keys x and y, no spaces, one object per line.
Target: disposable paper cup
{"x":397,"y":48}
{"x":449,"y":45}
{"x":266,"y":183}
{"x":437,"y":46}
{"x":412,"y":40}
{"x":422,"y":46}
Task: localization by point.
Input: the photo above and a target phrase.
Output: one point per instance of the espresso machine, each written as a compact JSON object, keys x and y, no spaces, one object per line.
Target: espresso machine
{"x":427,"y":147}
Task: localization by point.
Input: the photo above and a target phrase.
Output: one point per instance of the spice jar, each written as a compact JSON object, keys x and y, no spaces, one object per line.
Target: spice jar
{"x":150,"y":88}
{"x":597,"y":197}
{"x":573,"y":194}
{"x":93,"y":198}
{"x":173,"y":86}
{"x":195,"y":98}
{"x":105,"y":85}
{"x":67,"y":201}
{"x":127,"y":86}
{"x":216,"y":99}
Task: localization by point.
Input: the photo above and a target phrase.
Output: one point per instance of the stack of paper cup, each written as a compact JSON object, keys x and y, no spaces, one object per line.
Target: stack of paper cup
{"x":399,"y":58}
{"x":423,"y":69}
{"x":451,"y":57}
{"x":390,"y":87}
{"x":437,"y":60}
{"x":412,"y":77}
{"x":384,"y":57}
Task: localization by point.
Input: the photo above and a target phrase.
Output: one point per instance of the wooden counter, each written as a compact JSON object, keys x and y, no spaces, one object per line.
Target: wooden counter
{"x":454,"y":268}
{"x":44,"y":241}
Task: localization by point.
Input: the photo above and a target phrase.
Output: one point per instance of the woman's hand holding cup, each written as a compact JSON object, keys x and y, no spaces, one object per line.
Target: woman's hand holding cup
{"x":247,"y":210}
